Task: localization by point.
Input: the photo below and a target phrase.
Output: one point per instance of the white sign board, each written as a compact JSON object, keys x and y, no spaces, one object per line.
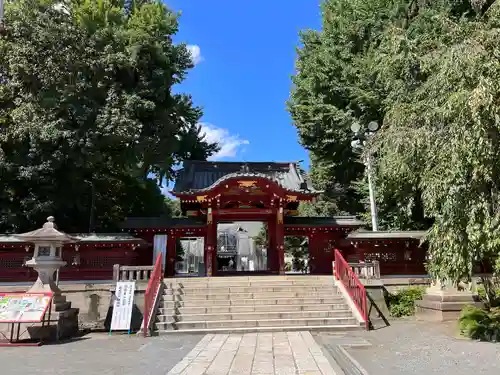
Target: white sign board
{"x":122,"y":306}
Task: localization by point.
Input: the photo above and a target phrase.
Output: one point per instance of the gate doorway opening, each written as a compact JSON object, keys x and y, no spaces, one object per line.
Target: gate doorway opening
{"x":297,"y":258}
{"x":190,"y":256}
{"x":239,"y":248}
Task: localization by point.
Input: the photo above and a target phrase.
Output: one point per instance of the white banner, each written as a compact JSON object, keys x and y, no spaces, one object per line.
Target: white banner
{"x":160,"y":246}
{"x":122,"y":306}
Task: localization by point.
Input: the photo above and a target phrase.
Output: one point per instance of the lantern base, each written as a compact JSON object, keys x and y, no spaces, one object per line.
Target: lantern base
{"x":444,"y":302}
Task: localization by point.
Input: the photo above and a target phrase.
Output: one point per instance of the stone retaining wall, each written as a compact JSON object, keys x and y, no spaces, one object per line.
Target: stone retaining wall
{"x":93,"y":301}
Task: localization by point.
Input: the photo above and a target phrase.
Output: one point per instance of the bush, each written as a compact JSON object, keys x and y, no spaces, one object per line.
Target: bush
{"x":490,"y":301}
{"x":402,"y":303}
{"x":480,"y":324}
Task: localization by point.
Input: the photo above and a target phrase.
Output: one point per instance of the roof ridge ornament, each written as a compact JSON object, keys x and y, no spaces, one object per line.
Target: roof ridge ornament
{"x":245,"y":168}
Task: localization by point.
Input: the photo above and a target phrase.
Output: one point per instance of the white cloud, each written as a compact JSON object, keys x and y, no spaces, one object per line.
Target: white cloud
{"x":230,"y":144}
{"x":195,"y":52}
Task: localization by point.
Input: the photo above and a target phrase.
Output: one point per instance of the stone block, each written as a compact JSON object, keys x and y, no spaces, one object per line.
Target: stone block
{"x":444,"y":306}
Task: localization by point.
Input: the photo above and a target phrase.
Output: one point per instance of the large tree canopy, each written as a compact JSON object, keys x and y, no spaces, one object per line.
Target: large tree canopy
{"x":87,"y":111}
{"x":428,"y":72}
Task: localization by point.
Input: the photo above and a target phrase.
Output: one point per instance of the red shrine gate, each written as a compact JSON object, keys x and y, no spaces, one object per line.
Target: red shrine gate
{"x":220,"y":192}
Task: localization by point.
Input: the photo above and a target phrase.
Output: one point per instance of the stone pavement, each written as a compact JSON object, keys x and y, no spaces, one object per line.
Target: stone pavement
{"x":100,"y":354}
{"x":404,"y":348}
{"x":409,"y":347}
{"x":280,"y":353}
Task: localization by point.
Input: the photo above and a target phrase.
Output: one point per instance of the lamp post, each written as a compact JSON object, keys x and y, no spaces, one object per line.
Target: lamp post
{"x":1,"y":12}
{"x":359,"y":142}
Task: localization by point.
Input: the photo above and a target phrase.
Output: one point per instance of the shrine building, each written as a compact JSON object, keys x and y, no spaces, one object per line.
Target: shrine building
{"x":213,"y":195}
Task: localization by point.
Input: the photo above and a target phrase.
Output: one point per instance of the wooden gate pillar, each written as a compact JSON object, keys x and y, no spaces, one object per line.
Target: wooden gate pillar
{"x":280,"y":240}
{"x":271,"y":246}
{"x":171,"y":254}
{"x":211,"y":245}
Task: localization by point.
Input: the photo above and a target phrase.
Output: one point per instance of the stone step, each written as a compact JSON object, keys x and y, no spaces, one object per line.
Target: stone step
{"x":248,"y":289}
{"x":332,"y":299}
{"x":304,"y":322}
{"x":250,"y":308}
{"x":346,"y":313}
{"x":170,"y":284}
{"x":235,"y":279}
{"x":330,"y":328}
{"x":255,"y":295}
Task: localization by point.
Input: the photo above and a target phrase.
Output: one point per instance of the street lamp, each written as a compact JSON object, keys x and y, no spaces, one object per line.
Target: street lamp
{"x":359,"y":142}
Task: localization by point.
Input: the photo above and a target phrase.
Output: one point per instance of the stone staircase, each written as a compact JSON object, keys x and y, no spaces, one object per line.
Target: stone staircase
{"x":253,"y":303}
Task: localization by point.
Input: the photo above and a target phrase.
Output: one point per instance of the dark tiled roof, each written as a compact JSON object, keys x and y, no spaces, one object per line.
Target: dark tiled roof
{"x":84,"y":237}
{"x":199,"y":176}
{"x":402,"y":234}
{"x":160,"y":222}
{"x":323,"y":221}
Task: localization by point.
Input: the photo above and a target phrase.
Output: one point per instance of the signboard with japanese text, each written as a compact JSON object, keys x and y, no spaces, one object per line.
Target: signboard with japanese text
{"x":122,"y":306}
{"x":23,"y":307}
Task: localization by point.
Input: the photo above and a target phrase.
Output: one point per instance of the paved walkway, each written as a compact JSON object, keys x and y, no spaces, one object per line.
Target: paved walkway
{"x":412,"y":348}
{"x":283,"y":353}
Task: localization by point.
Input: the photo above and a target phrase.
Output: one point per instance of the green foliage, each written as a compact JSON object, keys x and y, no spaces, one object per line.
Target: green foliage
{"x":480,"y":324}
{"x":261,"y":240}
{"x":402,"y":303}
{"x":440,"y":129}
{"x":87,"y":112}
{"x":428,"y":72}
{"x":173,"y":207}
{"x":489,"y":293}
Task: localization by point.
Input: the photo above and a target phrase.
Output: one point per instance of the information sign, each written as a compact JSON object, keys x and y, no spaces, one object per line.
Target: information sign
{"x":23,"y":307}
{"x":122,"y":306}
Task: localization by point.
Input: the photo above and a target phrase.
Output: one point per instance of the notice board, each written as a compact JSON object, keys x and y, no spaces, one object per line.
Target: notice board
{"x":23,"y":307}
{"x":122,"y":306}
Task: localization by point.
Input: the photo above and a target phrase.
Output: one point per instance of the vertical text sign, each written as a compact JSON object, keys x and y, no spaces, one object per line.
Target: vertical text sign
{"x":122,"y":306}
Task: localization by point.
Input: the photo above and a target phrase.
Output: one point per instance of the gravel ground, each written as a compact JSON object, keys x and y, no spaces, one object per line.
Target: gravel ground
{"x":411,"y":347}
{"x":100,"y":354}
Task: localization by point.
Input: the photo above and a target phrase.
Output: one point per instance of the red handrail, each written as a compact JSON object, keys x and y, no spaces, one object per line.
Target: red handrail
{"x":351,"y":283}
{"x":151,"y":292}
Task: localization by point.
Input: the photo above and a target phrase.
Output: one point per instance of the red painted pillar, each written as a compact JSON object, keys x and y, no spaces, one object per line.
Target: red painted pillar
{"x":211,"y":245}
{"x":271,"y":245}
{"x":280,"y":240}
{"x":171,"y":254}
{"x":313,"y":249}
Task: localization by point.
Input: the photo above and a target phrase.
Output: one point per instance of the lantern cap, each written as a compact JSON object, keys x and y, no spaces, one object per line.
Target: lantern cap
{"x":47,"y":233}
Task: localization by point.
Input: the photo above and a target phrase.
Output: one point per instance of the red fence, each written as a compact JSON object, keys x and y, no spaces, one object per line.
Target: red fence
{"x":151,"y":293}
{"x":89,"y":263}
{"x":351,"y":283}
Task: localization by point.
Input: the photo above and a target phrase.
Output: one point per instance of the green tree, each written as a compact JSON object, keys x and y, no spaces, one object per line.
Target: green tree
{"x":173,"y":207}
{"x":441,"y":128}
{"x":88,"y":119}
{"x":334,"y":88}
{"x":261,"y":240}
{"x":428,"y":72}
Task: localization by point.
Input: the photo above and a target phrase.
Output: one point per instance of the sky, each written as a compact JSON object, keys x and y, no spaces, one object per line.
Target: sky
{"x":244,"y":53}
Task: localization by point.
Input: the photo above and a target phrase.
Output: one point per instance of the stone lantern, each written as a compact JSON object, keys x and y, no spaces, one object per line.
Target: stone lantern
{"x":443,"y":301}
{"x":47,"y":259}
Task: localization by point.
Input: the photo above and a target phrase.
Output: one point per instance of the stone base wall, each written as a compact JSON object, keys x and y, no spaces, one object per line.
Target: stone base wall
{"x":94,"y":303}
{"x":441,"y":310}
